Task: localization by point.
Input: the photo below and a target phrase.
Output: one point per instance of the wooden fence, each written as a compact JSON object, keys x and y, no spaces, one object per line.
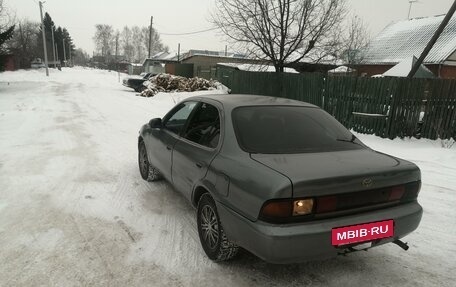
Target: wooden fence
{"x":386,"y":107}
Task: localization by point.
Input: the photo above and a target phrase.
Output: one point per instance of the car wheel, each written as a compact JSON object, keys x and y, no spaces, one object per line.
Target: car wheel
{"x":148,"y":172}
{"x":139,"y":89}
{"x":213,"y":239}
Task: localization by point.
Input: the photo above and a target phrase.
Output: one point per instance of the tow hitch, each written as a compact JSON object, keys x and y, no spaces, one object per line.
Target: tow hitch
{"x":344,"y":250}
{"x":401,"y":244}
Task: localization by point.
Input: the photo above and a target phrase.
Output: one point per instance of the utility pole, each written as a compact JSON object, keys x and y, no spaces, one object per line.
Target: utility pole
{"x":69,"y":51}
{"x":56,"y":52}
{"x":150,"y":34}
{"x":64,"y":52}
{"x":410,"y":7}
{"x":53,"y":45}
{"x":434,"y":39}
{"x":44,"y":39}
{"x":178,"y":52}
{"x":117,"y":61}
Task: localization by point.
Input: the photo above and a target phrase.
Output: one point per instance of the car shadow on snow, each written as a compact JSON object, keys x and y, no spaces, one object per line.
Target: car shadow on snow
{"x":355,"y":269}
{"x":376,"y":265}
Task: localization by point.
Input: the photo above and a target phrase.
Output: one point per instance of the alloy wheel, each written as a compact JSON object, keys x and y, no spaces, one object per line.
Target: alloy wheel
{"x":209,"y":226}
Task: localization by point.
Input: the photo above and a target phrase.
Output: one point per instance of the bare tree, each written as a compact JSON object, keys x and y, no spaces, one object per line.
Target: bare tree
{"x":126,"y":43}
{"x":24,"y":43}
{"x":135,"y":43}
{"x":104,"y":39}
{"x":281,"y":31}
{"x":81,"y":58}
{"x":6,"y":25}
{"x":140,"y":51}
{"x":7,"y":19}
{"x":156,"y":43}
{"x":355,"y":42}
{"x":117,"y":44}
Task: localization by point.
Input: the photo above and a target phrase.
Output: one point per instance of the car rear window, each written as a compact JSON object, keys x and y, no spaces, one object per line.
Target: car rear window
{"x":290,"y":129}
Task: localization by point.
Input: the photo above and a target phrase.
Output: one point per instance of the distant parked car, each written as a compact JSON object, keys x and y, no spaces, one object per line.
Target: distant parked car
{"x":137,"y":83}
{"x":280,"y":178}
{"x":37,"y":64}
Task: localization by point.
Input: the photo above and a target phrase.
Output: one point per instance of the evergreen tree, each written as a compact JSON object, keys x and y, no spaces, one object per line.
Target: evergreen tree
{"x":6,"y":35}
{"x":69,"y":46}
{"x":58,"y":38}
{"x":6,"y":32}
{"x":48,"y":27}
{"x":60,"y":34}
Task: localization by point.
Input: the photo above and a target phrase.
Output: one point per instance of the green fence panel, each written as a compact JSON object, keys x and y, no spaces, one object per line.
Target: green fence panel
{"x":387,"y":107}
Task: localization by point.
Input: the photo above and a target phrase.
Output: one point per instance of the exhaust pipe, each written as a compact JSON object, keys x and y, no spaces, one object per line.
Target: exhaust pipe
{"x":401,"y":244}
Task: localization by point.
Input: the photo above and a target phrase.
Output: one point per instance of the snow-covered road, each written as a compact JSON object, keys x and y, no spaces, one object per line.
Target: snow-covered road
{"x":74,"y":210}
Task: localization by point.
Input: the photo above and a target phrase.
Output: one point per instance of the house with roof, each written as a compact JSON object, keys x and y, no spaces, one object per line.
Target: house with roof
{"x":156,"y":63}
{"x":401,"y":41}
{"x":205,"y":62}
{"x":193,"y":63}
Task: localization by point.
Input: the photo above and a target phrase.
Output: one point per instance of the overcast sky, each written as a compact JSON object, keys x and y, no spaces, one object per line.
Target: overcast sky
{"x":181,"y":16}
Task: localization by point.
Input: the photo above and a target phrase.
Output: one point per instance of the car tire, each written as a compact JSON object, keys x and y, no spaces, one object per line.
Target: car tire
{"x":147,"y":171}
{"x":212,"y":236}
{"x":140,"y":89}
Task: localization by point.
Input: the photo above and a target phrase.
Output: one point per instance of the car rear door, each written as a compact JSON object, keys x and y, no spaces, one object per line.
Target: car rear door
{"x":196,"y":148}
{"x":161,"y":142}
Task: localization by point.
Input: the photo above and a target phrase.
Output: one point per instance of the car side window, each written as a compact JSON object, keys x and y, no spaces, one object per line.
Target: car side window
{"x":204,"y":126}
{"x":175,"y":122}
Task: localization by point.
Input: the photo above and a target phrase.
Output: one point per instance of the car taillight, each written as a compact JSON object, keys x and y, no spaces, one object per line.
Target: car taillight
{"x":276,"y":209}
{"x":302,"y":207}
{"x":326,"y":204}
{"x":396,"y":193}
{"x":345,"y":201}
{"x":411,"y":191}
{"x":284,"y":210}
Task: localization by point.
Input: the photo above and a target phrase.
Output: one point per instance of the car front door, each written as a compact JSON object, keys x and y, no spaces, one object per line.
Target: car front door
{"x":161,"y":142}
{"x":196,"y":148}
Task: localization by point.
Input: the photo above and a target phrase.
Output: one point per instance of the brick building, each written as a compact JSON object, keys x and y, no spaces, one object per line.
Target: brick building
{"x":405,"y":39}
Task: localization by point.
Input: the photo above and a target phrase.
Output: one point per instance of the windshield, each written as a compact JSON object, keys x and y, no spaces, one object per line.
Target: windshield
{"x":289,"y":129}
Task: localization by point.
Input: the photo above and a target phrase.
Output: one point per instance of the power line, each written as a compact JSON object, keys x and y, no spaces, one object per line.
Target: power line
{"x":188,"y":33}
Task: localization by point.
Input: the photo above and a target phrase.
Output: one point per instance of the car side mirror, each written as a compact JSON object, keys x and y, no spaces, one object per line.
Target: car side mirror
{"x":155,"y":123}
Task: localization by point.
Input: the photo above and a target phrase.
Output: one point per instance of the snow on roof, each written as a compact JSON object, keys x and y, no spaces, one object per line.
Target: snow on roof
{"x":341,"y":69}
{"x":317,"y":55}
{"x":161,"y":56}
{"x":404,"y":39}
{"x":256,"y":68}
{"x":403,"y":69}
{"x":214,"y":53}
{"x":207,"y":53}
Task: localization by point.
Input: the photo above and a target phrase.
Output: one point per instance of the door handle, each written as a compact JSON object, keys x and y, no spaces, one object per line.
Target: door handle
{"x":199,"y":165}
{"x":168,"y":148}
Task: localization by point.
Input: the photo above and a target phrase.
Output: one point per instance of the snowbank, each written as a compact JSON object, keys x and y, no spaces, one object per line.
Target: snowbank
{"x":74,"y":210}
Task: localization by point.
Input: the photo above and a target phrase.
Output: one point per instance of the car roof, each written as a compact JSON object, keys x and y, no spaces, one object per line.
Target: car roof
{"x":239,"y":100}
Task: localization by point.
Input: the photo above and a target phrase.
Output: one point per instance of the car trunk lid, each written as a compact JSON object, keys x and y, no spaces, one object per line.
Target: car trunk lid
{"x":340,"y":172}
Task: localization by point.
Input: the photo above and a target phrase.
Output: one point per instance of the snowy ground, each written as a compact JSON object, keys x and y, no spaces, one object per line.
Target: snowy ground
{"x":74,"y":210}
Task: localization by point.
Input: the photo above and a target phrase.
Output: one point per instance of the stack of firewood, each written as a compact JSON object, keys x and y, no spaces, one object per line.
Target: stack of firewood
{"x":171,"y":83}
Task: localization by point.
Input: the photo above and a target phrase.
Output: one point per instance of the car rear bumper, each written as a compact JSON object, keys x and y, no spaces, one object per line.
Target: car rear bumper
{"x":306,"y":241}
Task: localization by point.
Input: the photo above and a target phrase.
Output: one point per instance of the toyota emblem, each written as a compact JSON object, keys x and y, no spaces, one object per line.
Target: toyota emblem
{"x":367,"y":182}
